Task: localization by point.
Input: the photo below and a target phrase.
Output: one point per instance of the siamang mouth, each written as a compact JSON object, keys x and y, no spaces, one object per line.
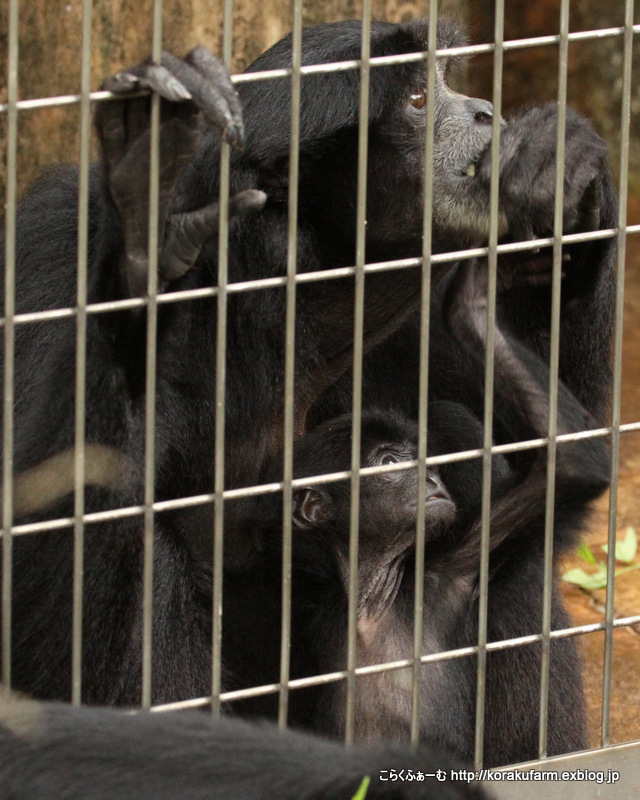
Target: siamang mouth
{"x":470,"y":170}
{"x":435,"y":489}
{"x":434,"y":500}
{"x":440,"y":495}
{"x":440,"y":512}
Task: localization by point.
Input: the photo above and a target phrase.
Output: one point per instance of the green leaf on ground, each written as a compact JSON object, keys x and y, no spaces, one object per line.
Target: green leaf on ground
{"x":596,"y":580}
{"x":626,"y":548}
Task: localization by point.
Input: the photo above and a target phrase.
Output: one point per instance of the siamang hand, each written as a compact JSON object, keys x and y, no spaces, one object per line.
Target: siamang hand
{"x":528,"y":173}
{"x":197,"y":85}
{"x":527,"y":186}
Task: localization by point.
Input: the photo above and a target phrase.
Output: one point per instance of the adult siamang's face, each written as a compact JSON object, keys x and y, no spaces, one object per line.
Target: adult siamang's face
{"x":462,"y":135}
{"x":329,"y":140}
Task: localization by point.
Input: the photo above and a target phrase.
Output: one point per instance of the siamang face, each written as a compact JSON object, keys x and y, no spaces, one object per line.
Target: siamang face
{"x":388,"y":500}
{"x":329,"y":141}
{"x":462,"y":134}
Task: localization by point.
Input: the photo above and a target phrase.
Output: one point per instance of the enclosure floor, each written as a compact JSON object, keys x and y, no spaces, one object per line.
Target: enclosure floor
{"x":586,"y":607}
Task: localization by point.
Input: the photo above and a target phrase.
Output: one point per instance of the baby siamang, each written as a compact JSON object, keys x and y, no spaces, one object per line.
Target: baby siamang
{"x":386,"y":568}
{"x":54,"y":750}
{"x":197,"y":95}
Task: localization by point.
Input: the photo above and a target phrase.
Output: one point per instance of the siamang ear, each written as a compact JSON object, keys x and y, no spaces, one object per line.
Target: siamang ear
{"x":310,"y":508}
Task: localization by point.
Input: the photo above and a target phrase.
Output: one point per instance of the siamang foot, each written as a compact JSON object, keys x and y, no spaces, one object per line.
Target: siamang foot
{"x":197,"y":86}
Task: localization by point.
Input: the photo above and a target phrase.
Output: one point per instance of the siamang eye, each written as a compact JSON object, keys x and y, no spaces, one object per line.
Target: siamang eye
{"x":418,"y":100}
{"x":388,"y":458}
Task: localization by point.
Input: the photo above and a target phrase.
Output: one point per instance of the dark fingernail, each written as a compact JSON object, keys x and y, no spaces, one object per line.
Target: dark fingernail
{"x":167,"y":84}
{"x":126,"y":78}
{"x":234,"y":134}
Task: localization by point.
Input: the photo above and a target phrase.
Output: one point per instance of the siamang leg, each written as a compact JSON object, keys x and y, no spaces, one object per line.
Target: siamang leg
{"x":522,"y":382}
{"x":516,"y":529}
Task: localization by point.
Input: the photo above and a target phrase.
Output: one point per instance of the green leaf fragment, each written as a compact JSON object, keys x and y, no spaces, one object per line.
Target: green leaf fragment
{"x":362,"y":791}
{"x":579,"y":577}
{"x":626,"y":548}
{"x":584,"y":551}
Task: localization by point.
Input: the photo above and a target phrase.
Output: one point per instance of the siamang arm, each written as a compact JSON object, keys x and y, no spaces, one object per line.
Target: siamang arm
{"x":527,"y":182}
{"x":56,"y":750}
{"x":522,"y":380}
{"x":199,"y":84}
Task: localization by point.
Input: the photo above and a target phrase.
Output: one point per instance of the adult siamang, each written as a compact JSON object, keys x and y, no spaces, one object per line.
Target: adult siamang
{"x":197,"y":95}
{"x":386,"y":566}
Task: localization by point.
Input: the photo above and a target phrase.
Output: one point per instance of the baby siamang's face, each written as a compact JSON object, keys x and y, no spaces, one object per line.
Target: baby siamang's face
{"x":388,"y":499}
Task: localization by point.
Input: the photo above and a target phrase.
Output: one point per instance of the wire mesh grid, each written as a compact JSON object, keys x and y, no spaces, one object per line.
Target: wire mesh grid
{"x":223,"y":290}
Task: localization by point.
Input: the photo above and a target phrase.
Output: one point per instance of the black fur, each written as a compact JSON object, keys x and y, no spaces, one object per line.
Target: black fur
{"x":185,"y":405}
{"x":386,"y":565}
{"x":53,"y":750}
{"x":186,"y":340}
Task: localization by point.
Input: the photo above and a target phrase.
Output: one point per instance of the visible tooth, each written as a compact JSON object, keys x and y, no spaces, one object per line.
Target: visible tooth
{"x":470,"y":171}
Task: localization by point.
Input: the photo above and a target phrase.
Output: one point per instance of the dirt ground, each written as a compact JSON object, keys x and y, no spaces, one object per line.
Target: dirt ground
{"x":588,"y":606}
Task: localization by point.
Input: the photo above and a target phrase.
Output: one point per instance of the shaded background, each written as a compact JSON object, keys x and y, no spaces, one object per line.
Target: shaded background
{"x":50,"y":47}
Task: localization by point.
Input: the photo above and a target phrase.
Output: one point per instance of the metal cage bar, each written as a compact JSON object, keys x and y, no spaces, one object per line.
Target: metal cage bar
{"x":250,"y":491}
{"x":554,"y":358}
{"x":289,"y":369}
{"x":9,"y":339}
{"x":220,"y":398}
{"x":151,"y":378}
{"x":477,"y":49}
{"x":313,"y":277}
{"x":358,"y":334}
{"x":423,"y":389}
{"x":445,"y":655}
{"x":81,"y":356}
{"x":625,"y":124}
{"x":487,"y":456}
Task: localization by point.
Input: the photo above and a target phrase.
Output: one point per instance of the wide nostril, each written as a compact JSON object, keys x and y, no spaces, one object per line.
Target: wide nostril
{"x":483,"y":118}
{"x":435,"y":488}
{"x":482,"y":111}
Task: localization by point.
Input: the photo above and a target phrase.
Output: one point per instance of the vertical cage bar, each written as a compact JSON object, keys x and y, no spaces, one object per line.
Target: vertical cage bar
{"x":9,"y":338}
{"x":289,"y":369}
{"x":625,"y":123}
{"x":358,"y":332}
{"x":81,"y":355}
{"x":423,"y":391}
{"x":492,"y":267}
{"x":554,"y":356}
{"x":150,"y":384}
{"x":221,"y":379}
